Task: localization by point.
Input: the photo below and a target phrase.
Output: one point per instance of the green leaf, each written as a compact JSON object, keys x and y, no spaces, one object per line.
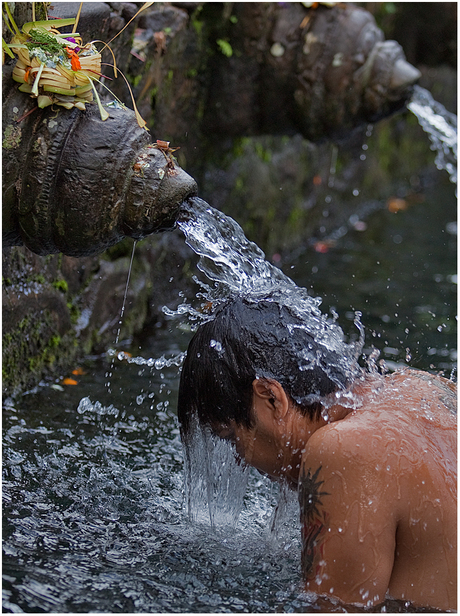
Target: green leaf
{"x":225,"y":47}
{"x":37,"y":79}
{"x":58,"y":90}
{"x":6,"y":48}
{"x":11,"y":18}
{"x":47,"y":24}
{"x":102,"y":111}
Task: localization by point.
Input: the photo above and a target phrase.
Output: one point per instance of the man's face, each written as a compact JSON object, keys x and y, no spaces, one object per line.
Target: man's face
{"x":258,"y":446}
{"x":275,"y":443}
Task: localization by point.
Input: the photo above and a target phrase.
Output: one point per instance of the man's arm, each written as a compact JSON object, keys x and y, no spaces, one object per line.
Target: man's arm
{"x":348,"y":521}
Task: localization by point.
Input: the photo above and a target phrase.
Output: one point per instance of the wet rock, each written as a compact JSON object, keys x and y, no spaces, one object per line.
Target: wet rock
{"x":94,"y":18}
{"x":56,"y":309}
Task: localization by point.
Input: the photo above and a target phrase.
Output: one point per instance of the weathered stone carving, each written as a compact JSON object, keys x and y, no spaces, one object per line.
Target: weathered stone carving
{"x":77,"y":185}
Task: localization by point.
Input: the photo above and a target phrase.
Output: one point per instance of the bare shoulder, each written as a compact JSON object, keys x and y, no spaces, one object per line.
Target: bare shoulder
{"x":432,"y":393}
{"x":348,"y":512}
{"x":409,"y":413}
{"x":349,"y":459}
{"x":354,"y":440}
{"x":377,"y":492}
{"x":402,"y":437}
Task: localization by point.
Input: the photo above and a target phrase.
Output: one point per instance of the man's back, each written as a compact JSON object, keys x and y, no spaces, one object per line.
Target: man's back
{"x":383,"y":510}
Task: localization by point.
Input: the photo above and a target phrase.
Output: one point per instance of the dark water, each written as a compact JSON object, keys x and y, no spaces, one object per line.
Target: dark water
{"x":400,"y":271}
{"x":93,"y":485}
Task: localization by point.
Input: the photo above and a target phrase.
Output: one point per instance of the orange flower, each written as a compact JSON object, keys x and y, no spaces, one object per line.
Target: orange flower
{"x":74,"y":61}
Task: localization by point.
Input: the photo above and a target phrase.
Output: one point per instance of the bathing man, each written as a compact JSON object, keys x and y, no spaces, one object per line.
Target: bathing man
{"x":373,"y":456}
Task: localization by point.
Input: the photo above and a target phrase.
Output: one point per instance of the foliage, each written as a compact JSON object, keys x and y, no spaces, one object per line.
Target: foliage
{"x":225,"y":47}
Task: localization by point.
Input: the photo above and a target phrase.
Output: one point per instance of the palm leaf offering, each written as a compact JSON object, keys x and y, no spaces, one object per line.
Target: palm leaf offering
{"x":53,"y":67}
{"x":56,"y":68}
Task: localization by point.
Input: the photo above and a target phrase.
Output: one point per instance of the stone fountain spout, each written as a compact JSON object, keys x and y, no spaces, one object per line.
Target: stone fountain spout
{"x":322,"y":72}
{"x":77,"y":185}
{"x":348,"y":74}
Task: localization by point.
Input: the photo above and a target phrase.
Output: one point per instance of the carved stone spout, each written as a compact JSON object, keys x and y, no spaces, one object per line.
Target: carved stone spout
{"x":347,"y":73}
{"x":77,"y":185}
{"x":319,"y":71}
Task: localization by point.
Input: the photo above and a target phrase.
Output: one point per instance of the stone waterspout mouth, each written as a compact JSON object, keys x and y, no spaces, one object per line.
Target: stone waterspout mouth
{"x":404,"y":75}
{"x":75,"y":184}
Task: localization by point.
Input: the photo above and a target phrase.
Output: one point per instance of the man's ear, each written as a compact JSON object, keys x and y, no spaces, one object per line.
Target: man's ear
{"x":272,"y":395}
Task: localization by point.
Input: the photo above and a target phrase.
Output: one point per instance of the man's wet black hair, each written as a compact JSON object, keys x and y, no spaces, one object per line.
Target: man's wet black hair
{"x":248,"y":340}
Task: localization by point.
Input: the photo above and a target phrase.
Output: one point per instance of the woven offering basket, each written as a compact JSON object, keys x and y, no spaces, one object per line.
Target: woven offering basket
{"x":62,"y":78}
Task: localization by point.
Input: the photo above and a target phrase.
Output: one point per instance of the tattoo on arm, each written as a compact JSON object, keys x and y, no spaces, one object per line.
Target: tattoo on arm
{"x":313,"y":519}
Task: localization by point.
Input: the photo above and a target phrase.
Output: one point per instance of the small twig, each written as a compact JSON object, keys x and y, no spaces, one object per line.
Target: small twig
{"x":26,"y":114}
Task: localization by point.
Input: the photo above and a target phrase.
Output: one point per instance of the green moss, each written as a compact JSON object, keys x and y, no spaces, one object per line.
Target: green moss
{"x":12,"y":137}
{"x":135,"y":81}
{"x":240,"y":146}
{"x":197,"y":26}
{"x":37,"y":278}
{"x":119,"y":250}
{"x":54,"y":341}
{"x":239,"y":184}
{"x":33,"y":349}
{"x":197,"y":23}
{"x":263,"y":153}
{"x":7,"y":340}
{"x":74,"y":312}
{"x":295,"y":217}
{"x":41,"y":10}
{"x":61,"y":285}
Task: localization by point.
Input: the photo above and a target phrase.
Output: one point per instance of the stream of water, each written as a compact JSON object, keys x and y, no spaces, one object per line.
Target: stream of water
{"x":441,"y":128}
{"x":96,"y":514}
